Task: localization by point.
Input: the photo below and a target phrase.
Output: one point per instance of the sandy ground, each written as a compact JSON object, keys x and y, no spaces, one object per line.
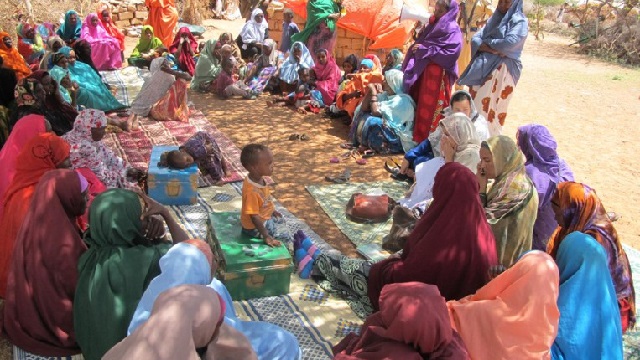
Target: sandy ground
{"x":591,"y":107}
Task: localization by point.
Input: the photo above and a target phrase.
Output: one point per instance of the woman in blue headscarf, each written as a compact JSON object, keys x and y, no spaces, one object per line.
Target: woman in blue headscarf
{"x":383,"y":122}
{"x":495,"y":65}
{"x":69,"y":31}
{"x":589,"y":325}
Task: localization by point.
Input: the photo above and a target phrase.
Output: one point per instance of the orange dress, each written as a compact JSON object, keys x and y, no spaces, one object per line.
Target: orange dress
{"x":163,"y":17}
{"x":12,"y":58}
{"x":360,"y":81}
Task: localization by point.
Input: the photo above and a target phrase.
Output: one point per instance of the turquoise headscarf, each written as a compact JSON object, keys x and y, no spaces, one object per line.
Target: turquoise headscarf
{"x":398,"y":110}
{"x":113,"y":273}
{"x":590,"y":326}
{"x":67,"y":31}
{"x":57,"y":73}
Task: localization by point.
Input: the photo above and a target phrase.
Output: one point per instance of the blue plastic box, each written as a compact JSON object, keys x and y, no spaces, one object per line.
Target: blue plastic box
{"x":172,"y":187}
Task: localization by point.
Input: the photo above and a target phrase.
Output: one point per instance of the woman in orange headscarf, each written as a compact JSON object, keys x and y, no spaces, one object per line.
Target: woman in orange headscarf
{"x":163,"y":16}
{"x":42,"y":153}
{"x":11,"y":58}
{"x":104,"y":14}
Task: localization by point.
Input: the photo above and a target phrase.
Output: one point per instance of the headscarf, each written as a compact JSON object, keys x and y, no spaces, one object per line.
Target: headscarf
{"x":452,"y":246}
{"x":439,"y":43}
{"x":327,"y":78}
{"x":184,"y":263}
{"x":589,"y":318}
{"x":69,"y":32}
{"x":546,"y":170}
{"x":377,"y":65}
{"x":464,"y":134}
{"x":12,"y":58}
{"x":25,"y":92}
{"x":507,"y":34}
{"x":58,"y":73}
{"x":367,"y":62}
{"x":83,"y":53}
{"x":145,"y":44}
{"x":478,"y":120}
{"x":318,"y":11}
{"x":208,"y":66}
{"x":519,"y":306}
{"x":289,"y":70}
{"x":46,"y":62}
{"x":26,"y":129}
{"x":398,"y":110}
{"x":512,"y":188}
{"x":39,"y":155}
{"x":192,"y":314}
{"x":60,"y":114}
{"x":108,"y":25}
{"x":252,"y":31}
{"x":114,"y":272}
{"x":92,"y":32}
{"x":30,"y":49}
{"x":412,"y":324}
{"x":185,"y":61}
{"x":583,"y":212}
{"x":398,"y":59}
{"x":38,"y":313}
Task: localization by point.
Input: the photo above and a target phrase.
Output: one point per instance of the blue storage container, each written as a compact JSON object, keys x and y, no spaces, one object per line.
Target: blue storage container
{"x":171,"y":187}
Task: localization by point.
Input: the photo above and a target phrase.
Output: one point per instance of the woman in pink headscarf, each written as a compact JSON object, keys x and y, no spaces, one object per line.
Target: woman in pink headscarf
{"x":105,"y":49}
{"x":184,"y":48}
{"x":327,"y":76}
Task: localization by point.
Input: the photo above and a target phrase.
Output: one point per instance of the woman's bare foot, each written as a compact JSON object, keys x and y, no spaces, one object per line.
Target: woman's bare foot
{"x":271,"y":103}
{"x":132,"y":123}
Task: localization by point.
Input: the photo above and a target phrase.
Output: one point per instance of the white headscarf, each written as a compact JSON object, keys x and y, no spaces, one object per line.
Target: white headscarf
{"x":464,"y":133}
{"x":481,"y":124}
{"x":252,"y":31}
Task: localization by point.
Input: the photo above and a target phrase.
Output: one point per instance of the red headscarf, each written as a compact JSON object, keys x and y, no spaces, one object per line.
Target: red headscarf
{"x":452,"y":245}
{"x":109,"y":25}
{"x":42,"y":153}
{"x":185,"y":61}
{"x":413,"y":321}
{"x":38,"y":306}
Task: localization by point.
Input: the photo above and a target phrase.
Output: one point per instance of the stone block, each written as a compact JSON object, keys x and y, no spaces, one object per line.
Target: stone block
{"x":125,"y":15}
{"x":141,"y":14}
{"x":122,"y":23}
{"x":136,"y":21}
{"x":131,"y":7}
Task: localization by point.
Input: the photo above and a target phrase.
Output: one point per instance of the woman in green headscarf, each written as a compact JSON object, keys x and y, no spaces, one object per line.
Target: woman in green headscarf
{"x":320,"y":29}
{"x":143,"y":53}
{"x":511,"y":203}
{"x":208,"y":66}
{"x":122,"y":259}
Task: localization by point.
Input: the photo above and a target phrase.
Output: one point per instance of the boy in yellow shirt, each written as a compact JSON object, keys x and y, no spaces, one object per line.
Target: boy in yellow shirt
{"x":257,"y":203}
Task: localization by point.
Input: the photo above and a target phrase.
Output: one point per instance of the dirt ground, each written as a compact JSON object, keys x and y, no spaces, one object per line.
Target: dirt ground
{"x":591,"y":107}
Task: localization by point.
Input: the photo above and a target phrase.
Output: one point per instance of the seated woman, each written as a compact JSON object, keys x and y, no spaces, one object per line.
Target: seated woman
{"x":11,"y":58}
{"x":145,"y":50}
{"x":54,"y":44}
{"x":30,"y":96}
{"x":580,"y":213}
{"x":69,"y":31}
{"x":184,"y":48}
{"x":511,"y":204}
{"x":299,"y":58}
{"x":93,"y":93}
{"x":105,"y":49}
{"x":226,"y":38}
{"x":546,"y":170}
{"x":87,"y":150}
{"x":202,"y":149}
{"x":460,"y":102}
{"x":61,"y":75}
{"x":394,"y":60}
{"x":42,"y":153}
{"x":263,"y":68}
{"x":412,"y":323}
{"x":590,"y":326}
{"x":209,"y":65}
{"x":383,"y":122}
{"x":353,"y":91}
{"x":452,"y":247}
{"x":191,"y":262}
{"x":514,"y":316}
{"x":30,"y":44}
{"x":123,"y":255}
{"x":26,"y":129}
{"x":163,"y":95}
{"x":42,"y":278}
{"x":104,"y":12}
{"x":252,"y":35}
{"x":326,"y":76}
{"x":457,"y":141}
{"x":194,"y":314}
{"x":57,"y":111}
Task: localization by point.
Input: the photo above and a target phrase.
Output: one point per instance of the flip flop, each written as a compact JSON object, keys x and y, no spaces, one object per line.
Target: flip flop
{"x":304,"y":137}
{"x":368,"y":153}
{"x":294,"y":137}
{"x":344,"y":177}
{"x":347,"y":146}
{"x":334,"y":160}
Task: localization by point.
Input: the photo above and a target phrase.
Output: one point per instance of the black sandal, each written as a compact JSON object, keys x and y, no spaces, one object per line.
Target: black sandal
{"x":343,"y":178}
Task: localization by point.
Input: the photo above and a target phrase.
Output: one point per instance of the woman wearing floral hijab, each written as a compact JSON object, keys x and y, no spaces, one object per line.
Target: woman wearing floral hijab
{"x":511,"y":204}
{"x":88,"y":151}
{"x":105,"y":49}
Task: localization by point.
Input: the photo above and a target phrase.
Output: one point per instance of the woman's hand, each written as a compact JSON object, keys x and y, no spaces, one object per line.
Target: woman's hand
{"x":447,"y":148}
{"x":481,"y":175}
{"x":153,"y":207}
{"x":415,"y":47}
{"x":153,"y":227}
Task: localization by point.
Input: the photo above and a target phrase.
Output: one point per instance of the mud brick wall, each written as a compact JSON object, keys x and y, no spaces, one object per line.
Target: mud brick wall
{"x":128,"y":13}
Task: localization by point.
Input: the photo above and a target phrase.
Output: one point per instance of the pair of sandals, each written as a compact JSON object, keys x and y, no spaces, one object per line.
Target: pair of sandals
{"x":393,"y":167}
{"x":343,"y":178}
{"x":300,"y":137}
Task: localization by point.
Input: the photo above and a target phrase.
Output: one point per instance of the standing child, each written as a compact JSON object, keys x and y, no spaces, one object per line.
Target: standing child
{"x":227,"y":83}
{"x":289,"y":28}
{"x":257,"y":202}
{"x":300,"y":97}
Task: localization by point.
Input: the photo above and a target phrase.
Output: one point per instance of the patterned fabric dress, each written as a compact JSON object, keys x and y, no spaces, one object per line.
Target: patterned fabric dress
{"x":206,"y":152}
